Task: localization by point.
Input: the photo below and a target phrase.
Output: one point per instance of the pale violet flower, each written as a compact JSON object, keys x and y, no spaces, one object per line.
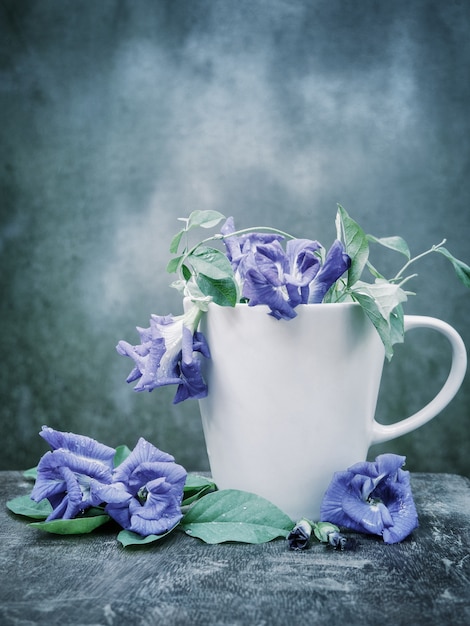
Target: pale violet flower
{"x":337,"y":261}
{"x":264,"y":280}
{"x":238,"y":247}
{"x":146,"y":491}
{"x":167,"y":355}
{"x":70,"y":476}
{"x":374,"y":498}
{"x":278,"y":278}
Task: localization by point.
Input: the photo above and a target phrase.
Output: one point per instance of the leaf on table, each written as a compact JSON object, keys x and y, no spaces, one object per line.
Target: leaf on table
{"x":122,"y":452}
{"x":23,"y":505}
{"x":32,"y":472}
{"x":232,"y":515}
{"x":129,"y":538}
{"x":76,"y":526}
{"x":196,"y":487}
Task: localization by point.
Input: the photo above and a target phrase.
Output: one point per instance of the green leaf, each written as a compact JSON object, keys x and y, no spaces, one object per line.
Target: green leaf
{"x":381,"y":324}
{"x":232,"y":515}
{"x":23,"y":505}
{"x":356,"y":244}
{"x":175,"y":242}
{"x":461,"y":269}
{"x":397,"y":325}
{"x":211,"y":262}
{"x":394,"y":243}
{"x":196,"y":481}
{"x":122,"y":452}
{"x":186,"y":272}
{"x":381,"y":302}
{"x":32,"y":472}
{"x":196,"y":487}
{"x":128,"y":538}
{"x":223,"y":291}
{"x":77,"y":526}
{"x":173,"y":264}
{"x":205,"y":219}
{"x":386,"y":295}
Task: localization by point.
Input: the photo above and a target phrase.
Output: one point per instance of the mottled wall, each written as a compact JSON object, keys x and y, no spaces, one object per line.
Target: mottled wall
{"x":119,"y":116}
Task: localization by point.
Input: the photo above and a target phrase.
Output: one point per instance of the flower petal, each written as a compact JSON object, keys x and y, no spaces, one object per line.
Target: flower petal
{"x":336,"y":263}
{"x":79,"y":445}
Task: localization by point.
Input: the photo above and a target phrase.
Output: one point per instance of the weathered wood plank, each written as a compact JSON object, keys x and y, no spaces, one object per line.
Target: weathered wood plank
{"x":92,"y":580}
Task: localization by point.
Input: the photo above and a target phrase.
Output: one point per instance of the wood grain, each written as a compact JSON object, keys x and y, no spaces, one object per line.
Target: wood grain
{"x":92,"y":580}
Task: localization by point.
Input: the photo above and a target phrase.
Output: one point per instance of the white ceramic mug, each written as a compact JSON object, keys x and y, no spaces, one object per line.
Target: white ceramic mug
{"x":292,"y":402}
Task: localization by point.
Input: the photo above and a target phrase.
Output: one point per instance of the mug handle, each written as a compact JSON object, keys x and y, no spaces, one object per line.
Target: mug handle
{"x":382,"y":432}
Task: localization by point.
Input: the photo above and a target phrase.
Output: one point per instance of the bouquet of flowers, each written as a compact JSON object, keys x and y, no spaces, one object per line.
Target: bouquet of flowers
{"x":263,"y":265}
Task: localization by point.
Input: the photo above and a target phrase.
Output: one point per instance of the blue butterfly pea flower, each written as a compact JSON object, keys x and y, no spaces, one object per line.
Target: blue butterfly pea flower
{"x":146,"y":491}
{"x":167,"y":355}
{"x":374,"y":498}
{"x":337,"y":261}
{"x":71,"y":475}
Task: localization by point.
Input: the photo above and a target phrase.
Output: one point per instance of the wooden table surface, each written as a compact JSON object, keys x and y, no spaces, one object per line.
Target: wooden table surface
{"x":91,"y":580}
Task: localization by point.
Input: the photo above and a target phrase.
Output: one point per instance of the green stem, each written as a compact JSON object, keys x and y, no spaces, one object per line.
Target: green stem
{"x":420,"y":256}
{"x":252,"y":229}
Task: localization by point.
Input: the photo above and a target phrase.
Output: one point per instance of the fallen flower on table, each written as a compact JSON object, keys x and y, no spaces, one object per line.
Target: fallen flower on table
{"x":373,"y":498}
{"x":70,"y":475}
{"x":146,"y":491}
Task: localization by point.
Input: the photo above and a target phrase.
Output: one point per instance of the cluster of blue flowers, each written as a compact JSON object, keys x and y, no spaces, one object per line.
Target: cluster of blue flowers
{"x":143,"y":494}
{"x":283,"y":279}
{"x":266,"y":274}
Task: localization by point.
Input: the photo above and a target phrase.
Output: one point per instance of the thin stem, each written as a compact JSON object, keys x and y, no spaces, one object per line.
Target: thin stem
{"x":405,"y":280}
{"x":420,"y":256}
{"x":252,"y":229}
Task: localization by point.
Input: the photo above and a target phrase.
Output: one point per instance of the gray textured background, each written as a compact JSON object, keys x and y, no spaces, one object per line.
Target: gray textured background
{"x":119,"y":116}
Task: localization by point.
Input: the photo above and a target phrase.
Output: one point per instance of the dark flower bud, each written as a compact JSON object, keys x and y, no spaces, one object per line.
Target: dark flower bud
{"x":341,"y":542}
{"x":299,"y":536}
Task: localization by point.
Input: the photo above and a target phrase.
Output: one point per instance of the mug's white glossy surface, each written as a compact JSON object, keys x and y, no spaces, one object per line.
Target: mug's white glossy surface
{"x":291,"y":402}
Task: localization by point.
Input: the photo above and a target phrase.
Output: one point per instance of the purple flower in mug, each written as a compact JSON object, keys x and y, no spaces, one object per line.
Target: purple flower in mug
{"x":265,"y":280}
{"x":146,"y":491}
{"x":304,"y":264}
{"x":337,"y":261}
{"x":374,"y":498}
{"x":167,"y":355}
{"x":71,"y":475}
{"x":238,"y":247}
